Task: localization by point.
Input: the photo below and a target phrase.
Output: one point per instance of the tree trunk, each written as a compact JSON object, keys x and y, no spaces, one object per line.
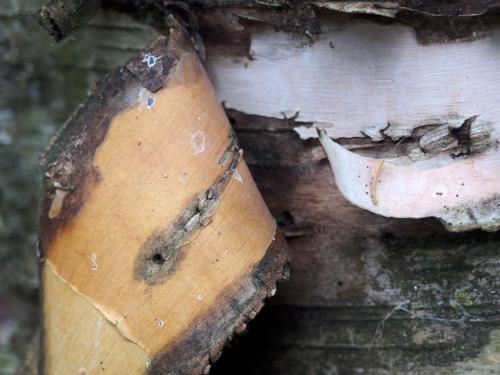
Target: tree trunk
{"x":368,"y":294}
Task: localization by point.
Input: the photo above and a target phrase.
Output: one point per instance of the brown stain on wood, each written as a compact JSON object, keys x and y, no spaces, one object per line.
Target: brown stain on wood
{"x":374,"y":180}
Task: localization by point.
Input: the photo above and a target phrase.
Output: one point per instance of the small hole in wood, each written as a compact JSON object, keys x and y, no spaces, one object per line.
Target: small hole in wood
{"x":285,"y":218}
{"x":158,"y":258}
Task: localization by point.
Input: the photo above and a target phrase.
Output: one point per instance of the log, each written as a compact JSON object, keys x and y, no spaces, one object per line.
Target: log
{"x":368,"y":293}
{"x":156,"y":247}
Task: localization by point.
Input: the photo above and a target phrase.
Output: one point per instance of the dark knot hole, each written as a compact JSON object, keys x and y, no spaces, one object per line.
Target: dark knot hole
{"x":158,"y":258}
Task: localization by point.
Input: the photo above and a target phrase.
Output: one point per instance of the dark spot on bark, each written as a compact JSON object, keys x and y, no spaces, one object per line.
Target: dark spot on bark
{"x":158,"y":258}
{"x":388,"y":236}
{"x":285,"y":218}
{"x":462,"y":134}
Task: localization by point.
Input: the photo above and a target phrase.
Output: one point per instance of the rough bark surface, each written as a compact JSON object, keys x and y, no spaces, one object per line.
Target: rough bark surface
{"x":367,"y":294}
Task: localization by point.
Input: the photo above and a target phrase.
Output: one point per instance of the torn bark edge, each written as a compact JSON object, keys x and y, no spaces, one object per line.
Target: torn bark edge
{"x":433,"y":21}
{"x":62,"y":17}
{"x":480,"y":213}
{"x":208,"y":339}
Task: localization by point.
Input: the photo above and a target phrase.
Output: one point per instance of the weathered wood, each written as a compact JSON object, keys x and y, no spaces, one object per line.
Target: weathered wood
{"x":155,"y":241}
{"x":367,"y":294}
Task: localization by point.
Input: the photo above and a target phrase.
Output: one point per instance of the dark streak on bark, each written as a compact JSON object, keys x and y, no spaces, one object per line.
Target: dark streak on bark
{"x":434,"y":21}
{"x":432,"y":7}
{"x":67,"y":162}
{"x":163,"y":250}
{"x":462,"y":134}
{"x":195,"y":350}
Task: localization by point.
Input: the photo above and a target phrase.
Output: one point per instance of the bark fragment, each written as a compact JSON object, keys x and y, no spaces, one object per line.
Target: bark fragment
{"x":62,"y":17}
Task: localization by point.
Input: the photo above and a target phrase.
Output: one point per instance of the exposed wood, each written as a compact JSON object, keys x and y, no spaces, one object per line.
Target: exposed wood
{"x":160,"y":246}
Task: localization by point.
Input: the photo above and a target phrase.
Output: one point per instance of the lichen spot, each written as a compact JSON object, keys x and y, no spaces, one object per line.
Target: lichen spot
{"x":237,"y":176}
{"x":199,"y":297}
{"x":150,"y":60}
{"x":198,"y":142}
{"x":150,"y":102}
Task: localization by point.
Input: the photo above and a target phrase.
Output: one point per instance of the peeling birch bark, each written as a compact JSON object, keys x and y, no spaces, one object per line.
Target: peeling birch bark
{"x":422,"y":118}
{"x":156,"y":244}
{"x":463,"y":194}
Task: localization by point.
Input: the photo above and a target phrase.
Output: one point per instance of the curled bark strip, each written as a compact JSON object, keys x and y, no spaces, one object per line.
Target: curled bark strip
{"x":458,"y":191}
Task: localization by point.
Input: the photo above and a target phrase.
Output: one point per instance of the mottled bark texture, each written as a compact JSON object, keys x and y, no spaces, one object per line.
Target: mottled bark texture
{"x":368,"y":294}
